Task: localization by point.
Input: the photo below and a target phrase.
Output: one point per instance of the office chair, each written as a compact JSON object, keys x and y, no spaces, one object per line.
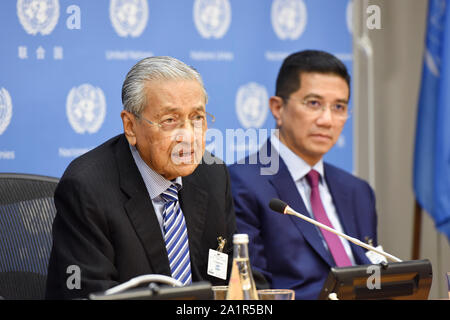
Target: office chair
{"x":27,"y":211}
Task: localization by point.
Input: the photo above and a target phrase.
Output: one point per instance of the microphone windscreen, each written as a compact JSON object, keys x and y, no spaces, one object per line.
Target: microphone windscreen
{"x":277,"y":205}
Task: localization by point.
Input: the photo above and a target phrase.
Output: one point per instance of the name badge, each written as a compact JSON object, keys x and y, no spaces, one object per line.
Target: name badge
{"x":376,"y":258}
{"x":217,"y":264}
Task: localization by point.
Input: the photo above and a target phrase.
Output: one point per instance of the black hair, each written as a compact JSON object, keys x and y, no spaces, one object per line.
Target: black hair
{"x":288,"y":80}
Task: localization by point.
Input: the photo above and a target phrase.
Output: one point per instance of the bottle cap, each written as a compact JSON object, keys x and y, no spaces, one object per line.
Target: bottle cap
{"x":240,"y":238}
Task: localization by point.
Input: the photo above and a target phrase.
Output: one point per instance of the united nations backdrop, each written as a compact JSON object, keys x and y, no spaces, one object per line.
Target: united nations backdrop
{"x":63,"y":63}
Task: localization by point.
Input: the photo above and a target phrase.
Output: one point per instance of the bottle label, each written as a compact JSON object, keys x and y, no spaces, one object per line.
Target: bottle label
{"x":241,"y":285}
{"x":217,"y":264}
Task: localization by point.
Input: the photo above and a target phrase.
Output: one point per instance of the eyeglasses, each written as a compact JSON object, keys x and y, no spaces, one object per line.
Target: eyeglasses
{"x":169,"y":123}
{"x":316,"y":106}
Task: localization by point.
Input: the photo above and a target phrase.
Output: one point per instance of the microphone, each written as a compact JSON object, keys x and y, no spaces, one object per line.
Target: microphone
{"x":281,"y":207}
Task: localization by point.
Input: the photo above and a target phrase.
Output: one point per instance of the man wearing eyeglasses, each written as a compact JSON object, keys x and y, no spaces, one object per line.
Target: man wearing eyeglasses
{"x":144,"y":202}
{"x":310,"y":108}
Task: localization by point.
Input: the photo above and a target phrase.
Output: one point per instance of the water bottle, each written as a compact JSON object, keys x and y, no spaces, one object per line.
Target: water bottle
{"x":241,"y":285}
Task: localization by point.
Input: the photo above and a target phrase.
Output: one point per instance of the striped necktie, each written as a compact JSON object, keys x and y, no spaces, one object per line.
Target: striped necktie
{"x":176,"y":238}
{"x":334,"y":243}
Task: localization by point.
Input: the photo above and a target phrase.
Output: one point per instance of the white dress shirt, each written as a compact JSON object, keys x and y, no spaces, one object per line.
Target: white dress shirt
{"x":298,"y":169}
{"x":155,"y":183}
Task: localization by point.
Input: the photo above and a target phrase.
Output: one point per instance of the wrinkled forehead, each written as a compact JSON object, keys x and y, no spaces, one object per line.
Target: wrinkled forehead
{"x":178,"y":95}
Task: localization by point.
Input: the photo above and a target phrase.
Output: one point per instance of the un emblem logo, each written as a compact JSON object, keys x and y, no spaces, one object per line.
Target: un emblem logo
{"x":437,"y":25}
{"x":86,"y":108}
{"x":38,"y":15}
{"x":212,"y":17}
{"x":288,"y":18}
{"x":5,"y":110}
{"x":252,"y":105}
{"x":349,"y":16}
{"x":128,"y":17}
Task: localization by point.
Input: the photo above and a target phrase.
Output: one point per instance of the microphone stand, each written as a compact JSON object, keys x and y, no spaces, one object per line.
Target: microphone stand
{"x":289,"y":210}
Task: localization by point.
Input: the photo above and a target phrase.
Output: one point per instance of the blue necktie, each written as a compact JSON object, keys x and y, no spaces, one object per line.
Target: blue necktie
{"x":176,"y":238}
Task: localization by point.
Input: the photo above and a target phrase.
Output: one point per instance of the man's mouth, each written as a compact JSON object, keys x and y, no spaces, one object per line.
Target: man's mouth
{"x":320,"y":136}
{"x":185,"y":153}
{"x":183,"y":156}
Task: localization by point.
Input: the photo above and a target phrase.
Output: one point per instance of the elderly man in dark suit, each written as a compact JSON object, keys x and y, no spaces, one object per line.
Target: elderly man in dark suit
{"x":144,"y":202}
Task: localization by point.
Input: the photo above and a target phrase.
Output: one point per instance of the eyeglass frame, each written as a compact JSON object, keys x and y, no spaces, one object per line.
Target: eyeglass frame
{"x":322,"y":108}
{"x":213,"y":119}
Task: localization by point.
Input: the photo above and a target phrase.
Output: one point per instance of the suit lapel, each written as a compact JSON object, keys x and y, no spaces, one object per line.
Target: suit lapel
{"x":288,"y":192}
{"x":140,"y":209}
{"x":193,"y":201}
{"x":342,"y":200}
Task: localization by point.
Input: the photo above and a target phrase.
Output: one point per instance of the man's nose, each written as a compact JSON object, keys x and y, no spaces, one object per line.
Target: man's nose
{"x":326,"y":116}
{"x":185,"y":132}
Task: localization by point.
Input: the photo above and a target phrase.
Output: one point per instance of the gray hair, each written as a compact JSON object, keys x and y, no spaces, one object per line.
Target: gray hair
{"x":149,"y":69}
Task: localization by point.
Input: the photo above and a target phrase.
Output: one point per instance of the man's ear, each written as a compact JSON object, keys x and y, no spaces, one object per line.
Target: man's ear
{"x":276,"y":107}
{"x":129,"y":126}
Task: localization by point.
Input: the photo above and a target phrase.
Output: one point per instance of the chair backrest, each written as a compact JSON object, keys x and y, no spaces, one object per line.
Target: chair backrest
{"x":27,"y":211}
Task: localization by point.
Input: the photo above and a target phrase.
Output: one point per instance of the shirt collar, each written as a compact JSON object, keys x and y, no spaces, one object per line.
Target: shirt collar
{"x":297,"y":167}
{"x":155,"y":183}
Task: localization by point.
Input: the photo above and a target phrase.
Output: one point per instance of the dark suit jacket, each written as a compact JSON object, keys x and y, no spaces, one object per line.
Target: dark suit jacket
{"x":286,"y":249}
{"x":106,"y":225}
